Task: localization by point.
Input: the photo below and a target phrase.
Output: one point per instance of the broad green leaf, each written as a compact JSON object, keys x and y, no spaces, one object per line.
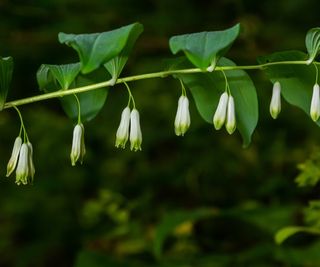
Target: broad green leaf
{"x":207,"y":88}
{"x":96,"y":49}
{"x":204,"y":49}
{"x":313,"y":43}
{"x":91,"y":102}
{"x":296,"y":81}
{"x":286,"y":232}
{"x":115,"y":65}
{"x":171,"y":220}
{"x":6,"y":69}
{"x":63,"y":74}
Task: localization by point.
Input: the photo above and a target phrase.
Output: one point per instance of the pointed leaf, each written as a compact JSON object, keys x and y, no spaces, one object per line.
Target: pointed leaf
{"x":296,"y":81}
{"x":45,"y":80}
{"x":207,"y":88}
{"x":284,"y":233}
{"x":204,"y":48}
{"x":6,"y":69}
{"x":115,"y":65}
{"x":313,"y":43}
{"x":96,"y":49}
{"x":171,"y":220}
{"x":63,"y":74}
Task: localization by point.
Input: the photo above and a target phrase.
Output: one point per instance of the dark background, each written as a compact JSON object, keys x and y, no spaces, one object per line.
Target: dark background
{"x":107,"y":211}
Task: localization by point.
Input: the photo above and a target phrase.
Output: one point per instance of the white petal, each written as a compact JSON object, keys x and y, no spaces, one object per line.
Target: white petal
{"x":76,"y":144}
{"x":275,"y":104}
{"x":231,"y":116}
{"x":182,"y":120}
{"x":185,"y":116}
{"x":123,"y":130}
{"x":178,"y":116}
{"x":315,"y":103}
{"x":22,"y":171}
{"x":14,"y":156}
{"x":135,"y":131}
{"x":221,"y":111}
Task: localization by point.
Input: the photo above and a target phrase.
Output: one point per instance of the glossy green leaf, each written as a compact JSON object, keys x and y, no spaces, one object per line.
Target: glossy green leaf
{"x":171,"y":220}
{"x":296,"y":80}
{"x":96,"y":49}
{"x":63,"y":74}
{"x":286,"y":232}
{"x":6,"y":69}
{"x":313,"y":43}
{"x":115,"y":65}
{"x":206,"y":89}
{"x":204,"y":49}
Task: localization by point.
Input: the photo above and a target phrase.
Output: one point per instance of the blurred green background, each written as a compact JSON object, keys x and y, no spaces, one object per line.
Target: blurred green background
{"x":199,"y":201}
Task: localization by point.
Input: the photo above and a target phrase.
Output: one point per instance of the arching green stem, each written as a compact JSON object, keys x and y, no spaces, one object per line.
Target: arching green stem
{"x":161,"y":74}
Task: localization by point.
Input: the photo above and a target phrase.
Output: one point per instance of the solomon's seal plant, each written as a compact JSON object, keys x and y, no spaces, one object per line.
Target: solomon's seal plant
{"x":222,"y":91}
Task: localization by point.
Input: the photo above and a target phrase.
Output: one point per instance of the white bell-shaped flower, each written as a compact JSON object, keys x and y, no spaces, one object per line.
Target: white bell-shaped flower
{"x":182,"y":120}
{"x":315,"y":103}
{"x":22,"y":171}
{"x":275,"y":104}
{"x":135,"y":131}
{"x":221,"y":111}
{"x":14,"y":156}
{"x":123,"y":130}
{"x":78,"y":149}
{"x":231,"y":116}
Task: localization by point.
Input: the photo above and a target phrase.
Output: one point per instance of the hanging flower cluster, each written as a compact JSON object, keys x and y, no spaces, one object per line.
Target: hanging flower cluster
{"x":225,"y":112}
{"x":130,"y":121}
{"x":21,"y":158}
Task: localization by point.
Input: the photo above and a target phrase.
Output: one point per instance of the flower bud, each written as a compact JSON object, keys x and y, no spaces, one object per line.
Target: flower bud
{"x":231,"y":116}
{"x":221,"y":111}
{"x":275,"y":104}
{"x":182,"y":120}
{"x":78,"y":149}
{"x":315,"y":103}
{"x":14,"y":156}
{"x":135,"y":131}
{"x":22,"y":171}
{"x":123,"y":130}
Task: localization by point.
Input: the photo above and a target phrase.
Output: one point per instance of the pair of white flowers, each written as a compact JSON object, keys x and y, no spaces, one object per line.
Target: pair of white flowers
{"x":275,"y":104}
{"x":22,"y":158}
{"x":130,"y":120}
{"x":225,"y":113}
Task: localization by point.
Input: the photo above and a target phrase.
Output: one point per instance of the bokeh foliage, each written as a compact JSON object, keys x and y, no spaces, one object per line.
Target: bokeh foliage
{"x":203,"y":198}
